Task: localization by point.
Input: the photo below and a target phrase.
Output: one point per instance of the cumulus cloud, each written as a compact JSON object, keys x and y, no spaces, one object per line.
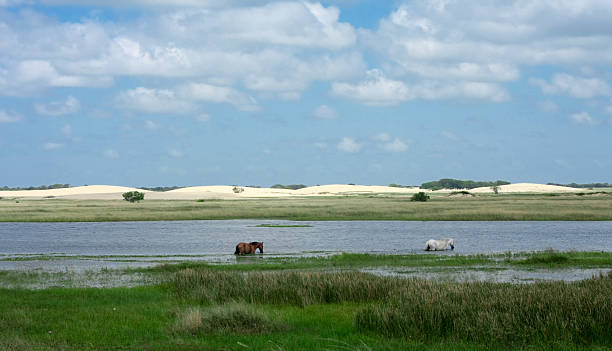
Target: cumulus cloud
{"x":150,"y":125}
{"x":280,"y":47}
{"x":349,"y":145}
{"x":203,"y":117}
{"x":52,"y":146}
{"x":59,"y":108}
{"x":548,"y":106}
{"x":219,"y":94}
{"x":9,"y":117}
{"x":396,"y":145}
{"x":382,"y":137}
{"x":110,"y":153}
{"x":581,"y":88}
{"x":325,"y":112}
{"x":377,"y":89}
{"x":175,"y":153}
{"x":583,"y":118}
{"x":156,"y":101}
{"x":386,"y":142}
{"x":29,"y":76}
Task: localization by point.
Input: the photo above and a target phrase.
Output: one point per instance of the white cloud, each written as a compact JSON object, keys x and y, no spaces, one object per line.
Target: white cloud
{"x":175,"y":153}
{"x":151,"y":125}
{"x":349,"y":145}
{"x":548,"y":106}
{"x":582,"y":118}
{"x":289,"y":96}
{"x":67,"y":130}
{"x":59,"y":108}
{"x":382,"y":137}
{"x":52,"y":146}
{"x":425,"y":44}
{"x":29,"y":76}
{"x":110,"y":153}
{"x":582,"y":88}
{"x":449,"y":135}
{"x":9,"y":117}
{"x":203,"y":117}
{"x":218,"y":94}
{"x":325,"y":112}
{"x":157,"y":101}
{"x":395,"y":146}
{"x":380,"y":90}
{"x":280,"y":46}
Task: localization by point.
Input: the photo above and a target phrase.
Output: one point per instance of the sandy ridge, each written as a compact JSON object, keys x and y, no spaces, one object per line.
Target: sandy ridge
{"x":231,"y":192}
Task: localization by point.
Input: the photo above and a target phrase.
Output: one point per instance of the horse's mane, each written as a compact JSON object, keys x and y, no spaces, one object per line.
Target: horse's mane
{"x":255,"y":243}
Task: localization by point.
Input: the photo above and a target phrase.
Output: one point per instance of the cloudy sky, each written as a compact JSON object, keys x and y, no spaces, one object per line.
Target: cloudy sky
{"x":203,"y":92}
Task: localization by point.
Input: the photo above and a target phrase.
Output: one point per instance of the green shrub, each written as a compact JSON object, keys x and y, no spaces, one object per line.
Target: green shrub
{"x":420,"y":196}
{"x":133,"y":196}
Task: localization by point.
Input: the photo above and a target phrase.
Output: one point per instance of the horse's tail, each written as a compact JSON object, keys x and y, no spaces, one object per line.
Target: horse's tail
{"x":237,"y":250}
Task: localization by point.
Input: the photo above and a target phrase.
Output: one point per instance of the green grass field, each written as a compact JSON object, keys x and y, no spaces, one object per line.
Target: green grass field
{"x":317,"y":304}
{"x":389,"y":207}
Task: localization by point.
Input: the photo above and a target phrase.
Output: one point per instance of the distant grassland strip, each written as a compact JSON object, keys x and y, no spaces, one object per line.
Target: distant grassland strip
{"x":486,"y":208}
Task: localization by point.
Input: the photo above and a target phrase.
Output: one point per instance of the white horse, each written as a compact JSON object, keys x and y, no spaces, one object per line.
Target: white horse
{"x":439,"y":245}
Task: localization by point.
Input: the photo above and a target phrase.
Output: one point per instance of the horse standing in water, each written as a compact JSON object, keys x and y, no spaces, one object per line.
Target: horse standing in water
{"x":439,"y":245}
{"x":248,"y":248}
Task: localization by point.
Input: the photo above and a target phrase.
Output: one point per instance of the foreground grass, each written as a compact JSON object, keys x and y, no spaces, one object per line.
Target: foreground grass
{"x":393,"y":207}
{"x":259,"y":306}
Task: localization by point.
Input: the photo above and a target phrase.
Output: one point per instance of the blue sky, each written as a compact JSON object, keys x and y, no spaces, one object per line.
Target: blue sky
{"x":203,"y":92}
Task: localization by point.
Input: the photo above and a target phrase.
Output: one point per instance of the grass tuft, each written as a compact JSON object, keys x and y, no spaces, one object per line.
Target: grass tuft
{"x":230,"y":318}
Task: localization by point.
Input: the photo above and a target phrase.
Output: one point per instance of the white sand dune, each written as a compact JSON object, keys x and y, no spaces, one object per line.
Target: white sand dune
{"x":527,"y":188}
{"x":87,"y":191}
{"x":109,"y":192}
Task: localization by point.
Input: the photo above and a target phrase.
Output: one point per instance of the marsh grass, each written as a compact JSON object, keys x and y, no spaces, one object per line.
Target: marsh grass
{"x":489,"y":313}
{"x":439,"y":207}
{"x":288,"y":288}
{"x":542,"y":313}
{"x":229,"y":318}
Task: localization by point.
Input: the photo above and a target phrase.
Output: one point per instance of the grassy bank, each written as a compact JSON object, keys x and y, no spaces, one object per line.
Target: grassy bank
{"x":317,"y":304}
{"x":390,"y":207}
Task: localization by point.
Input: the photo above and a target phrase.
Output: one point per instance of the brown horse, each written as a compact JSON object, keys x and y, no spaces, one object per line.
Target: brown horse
{"x":248,"y":248}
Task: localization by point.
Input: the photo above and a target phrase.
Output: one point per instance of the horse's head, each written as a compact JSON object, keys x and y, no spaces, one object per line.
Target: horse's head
{"x":257,"y":245}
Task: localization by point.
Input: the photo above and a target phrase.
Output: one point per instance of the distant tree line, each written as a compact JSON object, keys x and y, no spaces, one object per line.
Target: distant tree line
{"x":42,"y":187}
{"x":592,"y":185}
{"x":289,"y":186}
{"x":448,"y":183}
{"x":161,"y":188}
{"x":393,"y":185}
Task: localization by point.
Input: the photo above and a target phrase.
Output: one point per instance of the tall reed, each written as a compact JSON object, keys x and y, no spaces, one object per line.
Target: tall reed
{"x":291,"y":288}
{"x":483,"y":312}
{"x":575,"y":313}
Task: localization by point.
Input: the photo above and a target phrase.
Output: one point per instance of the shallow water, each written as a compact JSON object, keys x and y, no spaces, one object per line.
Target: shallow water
{"x":46,"y":245}
{"x":220,"y":237}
